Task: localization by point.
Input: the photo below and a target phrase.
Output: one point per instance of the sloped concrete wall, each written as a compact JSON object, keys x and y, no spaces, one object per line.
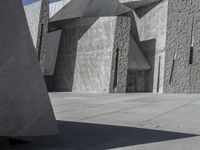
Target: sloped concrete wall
{"x":25,"y":105}
{"x":182,"y":66}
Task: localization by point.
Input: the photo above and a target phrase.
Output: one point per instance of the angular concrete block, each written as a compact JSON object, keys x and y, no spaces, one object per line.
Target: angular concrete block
{"x":25,"y":106}
{"x":90,"y":8}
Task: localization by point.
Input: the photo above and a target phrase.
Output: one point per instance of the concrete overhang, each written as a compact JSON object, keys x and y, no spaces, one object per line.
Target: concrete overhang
{"x":90,"y":8}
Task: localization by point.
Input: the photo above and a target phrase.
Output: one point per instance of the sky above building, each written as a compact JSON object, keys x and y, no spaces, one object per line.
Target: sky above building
{"x":26,"y":2}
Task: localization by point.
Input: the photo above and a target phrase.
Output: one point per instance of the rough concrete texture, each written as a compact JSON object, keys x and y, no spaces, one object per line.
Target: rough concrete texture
{"x":90,"y":8}
{"x":43,"y":34}
{"x":33,"y":20}
{"x":56,"y":6}
{"x":181,"y":75}
{"x":118,"y":80}
{"x":53,"y":41}
{"x":136,"y":58}
{"x":151,"y":22}
{"x":85,"y":55}
{"x":25,"y":106}
{"x":123,"y":122}
{"x":133,"y":4}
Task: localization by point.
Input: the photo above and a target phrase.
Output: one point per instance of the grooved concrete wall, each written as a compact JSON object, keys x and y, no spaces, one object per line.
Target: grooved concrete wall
{"x":85,"y":55}
{"x":183,"y":33}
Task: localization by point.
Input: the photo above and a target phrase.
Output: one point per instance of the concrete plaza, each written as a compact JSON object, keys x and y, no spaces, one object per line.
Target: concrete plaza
{"x":122,"y":121}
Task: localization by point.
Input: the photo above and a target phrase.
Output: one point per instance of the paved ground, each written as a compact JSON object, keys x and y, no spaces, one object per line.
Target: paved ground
{"x":123,"y":122}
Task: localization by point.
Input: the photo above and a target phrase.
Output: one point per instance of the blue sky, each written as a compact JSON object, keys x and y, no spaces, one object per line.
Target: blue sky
{"x":25,"y":2}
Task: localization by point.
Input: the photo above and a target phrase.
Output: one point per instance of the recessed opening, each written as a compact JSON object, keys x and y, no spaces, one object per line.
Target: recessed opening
{"x":40,"y":42}
{"x":116,"y":69}
{"x":191,"y":55}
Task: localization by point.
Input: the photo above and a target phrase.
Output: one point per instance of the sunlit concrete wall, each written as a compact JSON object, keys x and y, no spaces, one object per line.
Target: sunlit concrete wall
{"x":86,"y":55}
{"x":182,"y":65}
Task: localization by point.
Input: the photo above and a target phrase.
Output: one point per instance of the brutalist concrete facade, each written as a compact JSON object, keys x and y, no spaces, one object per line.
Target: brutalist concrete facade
{"x":86,"y":59}
{"x":160,"y":50}
{"x":140,"y":65}
{"x":182,"y":65}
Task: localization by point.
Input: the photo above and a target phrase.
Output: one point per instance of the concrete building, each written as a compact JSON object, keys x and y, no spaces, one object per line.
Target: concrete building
{"x":86,"y":32}
{"x":145,"y":63}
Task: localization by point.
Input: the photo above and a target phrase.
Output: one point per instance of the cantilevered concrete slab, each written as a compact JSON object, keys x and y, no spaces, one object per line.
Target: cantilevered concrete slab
{"x":90,"y":8}
{"x":25,"y":107}
{"x":136,"y":59}
{"x":133,"y":4}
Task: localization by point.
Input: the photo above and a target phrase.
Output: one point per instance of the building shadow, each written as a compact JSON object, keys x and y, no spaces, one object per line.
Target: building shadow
{"x":148,"y":48}
{"x":142,"y":11}
{"x":84,"y":136}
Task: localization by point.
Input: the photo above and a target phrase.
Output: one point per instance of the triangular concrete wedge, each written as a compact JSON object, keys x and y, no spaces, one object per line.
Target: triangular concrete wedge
{"x":24,"y":102}
{"x":136,"y":59}
{"x":90,"y":8}
{"x":133,"y":4}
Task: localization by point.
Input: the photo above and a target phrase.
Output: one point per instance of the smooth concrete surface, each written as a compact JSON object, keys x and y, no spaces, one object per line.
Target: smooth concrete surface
{"x":53,"y":42}
{"x":123,"y":122}
{"x":90,"y":8}
{"x":136,"y":58}
{"x":24,"y":102}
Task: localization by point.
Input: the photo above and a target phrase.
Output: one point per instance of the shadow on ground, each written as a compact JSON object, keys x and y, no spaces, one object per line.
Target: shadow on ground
{"x":76,"y":135}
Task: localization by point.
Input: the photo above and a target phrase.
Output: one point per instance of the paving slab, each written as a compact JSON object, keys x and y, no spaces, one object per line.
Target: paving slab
{"x":141,"y":121}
